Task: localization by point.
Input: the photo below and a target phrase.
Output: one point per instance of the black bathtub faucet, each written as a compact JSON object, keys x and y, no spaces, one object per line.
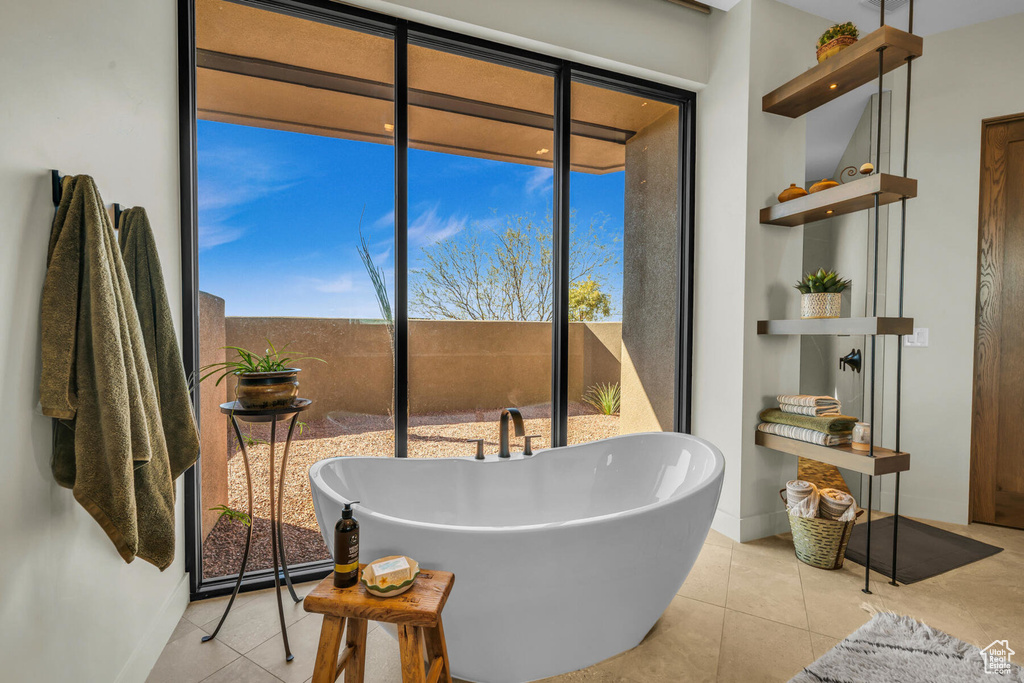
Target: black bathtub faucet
{"x":517,"y":420}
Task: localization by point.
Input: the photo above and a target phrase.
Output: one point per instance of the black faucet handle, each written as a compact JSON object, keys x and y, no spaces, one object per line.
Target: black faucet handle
{"x":527,"y":446}
{"x":479,"y":447}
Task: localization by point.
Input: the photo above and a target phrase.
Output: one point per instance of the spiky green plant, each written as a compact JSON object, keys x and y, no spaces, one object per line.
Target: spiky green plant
{"x":233,"y":515}
{"x":247,"y":362}
{"x":847,"y":29}
{"x":605,"y":397}
{"x":822,"y":282}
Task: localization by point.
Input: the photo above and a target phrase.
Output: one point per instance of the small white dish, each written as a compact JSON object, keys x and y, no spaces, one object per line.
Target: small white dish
{"x":368,"y":579}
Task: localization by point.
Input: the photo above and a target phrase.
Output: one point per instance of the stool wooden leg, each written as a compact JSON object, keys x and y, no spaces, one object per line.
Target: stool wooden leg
{"x":325,"y":669}
{"x":437,"y":649}
{"x":410,"y":643}
{"x":355,"y":640}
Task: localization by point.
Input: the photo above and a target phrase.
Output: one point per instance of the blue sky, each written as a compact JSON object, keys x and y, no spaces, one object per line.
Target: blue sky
{"x":279,"y":213}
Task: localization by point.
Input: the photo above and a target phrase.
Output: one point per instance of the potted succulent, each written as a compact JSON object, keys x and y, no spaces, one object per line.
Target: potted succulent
{"x":821,"y":294}
{"x":837,"y":38}
{"x":264,"y":382}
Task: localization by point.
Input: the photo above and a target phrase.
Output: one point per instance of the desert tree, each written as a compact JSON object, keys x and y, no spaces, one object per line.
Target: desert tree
{"x":504,"y":272}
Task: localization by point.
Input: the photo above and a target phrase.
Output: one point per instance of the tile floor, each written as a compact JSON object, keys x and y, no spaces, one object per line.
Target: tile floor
{"x":747,"y":612}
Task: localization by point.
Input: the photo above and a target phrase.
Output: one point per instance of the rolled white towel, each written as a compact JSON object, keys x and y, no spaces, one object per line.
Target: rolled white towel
{"x":813,"y":411}
{"x":834,"y":503}
{"x":797,"y":490}
{"x":806,"y":400}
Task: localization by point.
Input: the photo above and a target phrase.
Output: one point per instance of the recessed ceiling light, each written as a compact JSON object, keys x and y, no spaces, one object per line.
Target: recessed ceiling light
{"x":643,"y":104}
{"x":829,"y":211}
{"x":833,"y":86}
{"x":543,"y":150}
{"x":389,"y":126}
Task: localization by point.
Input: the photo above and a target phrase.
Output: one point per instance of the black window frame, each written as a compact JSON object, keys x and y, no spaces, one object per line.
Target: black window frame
{"x":405,"y":33}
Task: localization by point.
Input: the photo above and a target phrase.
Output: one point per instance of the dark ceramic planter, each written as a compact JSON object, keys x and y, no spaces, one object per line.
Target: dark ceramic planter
{"x":267,"y":390}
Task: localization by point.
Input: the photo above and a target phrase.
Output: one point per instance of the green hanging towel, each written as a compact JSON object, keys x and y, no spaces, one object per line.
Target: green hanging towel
{"x":142,"y":262}
{"x":109,"y":444}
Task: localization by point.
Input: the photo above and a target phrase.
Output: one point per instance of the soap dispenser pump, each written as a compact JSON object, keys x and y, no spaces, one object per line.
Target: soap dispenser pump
{"x":346,"y":549}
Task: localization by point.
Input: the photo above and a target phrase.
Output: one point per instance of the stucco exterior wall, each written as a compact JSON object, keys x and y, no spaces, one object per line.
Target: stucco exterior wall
{"x":453,"y":365}
{"x":649,"y":293}
{"x":213,"y":426}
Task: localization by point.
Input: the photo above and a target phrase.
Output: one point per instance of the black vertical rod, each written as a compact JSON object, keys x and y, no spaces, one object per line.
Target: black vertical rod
{"x":874,"y":303}
{"x":401,"y":379}
{"x":684,"y":266}
{"x":560,"y":260}
{"x":899,"y":339}
{"x":867,"y":551}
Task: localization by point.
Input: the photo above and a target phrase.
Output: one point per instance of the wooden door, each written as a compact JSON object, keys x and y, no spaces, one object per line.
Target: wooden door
{"x":997,"y":435}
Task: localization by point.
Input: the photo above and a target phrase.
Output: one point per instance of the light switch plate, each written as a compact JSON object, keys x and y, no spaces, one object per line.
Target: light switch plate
{"x":918,"y":340}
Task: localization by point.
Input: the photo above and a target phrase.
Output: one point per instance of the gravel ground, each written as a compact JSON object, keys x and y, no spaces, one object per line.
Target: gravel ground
{"x":430,"y":436}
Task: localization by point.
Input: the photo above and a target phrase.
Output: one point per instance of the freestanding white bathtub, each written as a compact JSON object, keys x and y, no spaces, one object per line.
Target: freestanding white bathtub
{"x":561,"y":559}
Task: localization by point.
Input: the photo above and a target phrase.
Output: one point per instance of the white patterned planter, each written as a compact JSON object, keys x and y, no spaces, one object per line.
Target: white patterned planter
{"x":821,"y":305}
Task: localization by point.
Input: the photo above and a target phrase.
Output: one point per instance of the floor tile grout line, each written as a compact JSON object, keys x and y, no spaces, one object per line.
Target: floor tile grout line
{"x":725,"y":614}
{"x":214,"y":673}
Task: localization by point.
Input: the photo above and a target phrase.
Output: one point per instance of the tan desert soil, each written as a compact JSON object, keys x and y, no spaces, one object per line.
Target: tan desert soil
{"x":430,"y":436}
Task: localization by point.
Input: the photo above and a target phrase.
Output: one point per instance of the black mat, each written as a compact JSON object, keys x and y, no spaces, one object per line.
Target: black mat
{"x":924,"y":551}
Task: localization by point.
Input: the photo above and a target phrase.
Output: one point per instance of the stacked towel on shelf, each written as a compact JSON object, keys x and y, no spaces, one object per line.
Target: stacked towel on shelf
{"x":804,"y":404}
{"x":801,"y":434}
{"x":836,"y":425}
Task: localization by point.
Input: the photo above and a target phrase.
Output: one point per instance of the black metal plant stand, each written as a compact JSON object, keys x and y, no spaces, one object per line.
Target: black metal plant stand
{"x":236,"y":412}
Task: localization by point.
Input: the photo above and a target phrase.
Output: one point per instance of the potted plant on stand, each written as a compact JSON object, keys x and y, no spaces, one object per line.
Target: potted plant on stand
{"x":821,"y":294}
{"x":264,"y":382}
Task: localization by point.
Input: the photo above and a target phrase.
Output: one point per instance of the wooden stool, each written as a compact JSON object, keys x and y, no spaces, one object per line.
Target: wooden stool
{"x":416,"y":612}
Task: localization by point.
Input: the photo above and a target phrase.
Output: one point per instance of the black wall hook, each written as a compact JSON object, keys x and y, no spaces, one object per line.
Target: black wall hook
{"x":851,"y":360}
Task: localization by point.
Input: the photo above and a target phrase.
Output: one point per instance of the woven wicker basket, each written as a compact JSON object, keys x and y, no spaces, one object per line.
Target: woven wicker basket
{"x":820,"y":542}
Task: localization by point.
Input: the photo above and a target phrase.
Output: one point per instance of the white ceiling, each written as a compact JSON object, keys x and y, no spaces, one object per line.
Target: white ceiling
{"x":930,"y":16}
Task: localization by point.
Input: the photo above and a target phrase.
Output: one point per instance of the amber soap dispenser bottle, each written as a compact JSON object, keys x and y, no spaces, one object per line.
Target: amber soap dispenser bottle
{"x":346,"y":549}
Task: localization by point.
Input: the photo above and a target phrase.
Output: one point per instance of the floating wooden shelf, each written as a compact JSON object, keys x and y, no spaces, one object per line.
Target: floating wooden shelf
{"x":837,"y":326}
{"x":853,"y":196}
{"x":884,"y":462}
{"x":851,"y":68}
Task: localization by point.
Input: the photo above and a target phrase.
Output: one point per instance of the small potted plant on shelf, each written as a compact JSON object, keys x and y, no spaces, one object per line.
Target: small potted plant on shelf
{"x":836,"y":39}
{"x":264,"y":382}
{"x":821,"y":294}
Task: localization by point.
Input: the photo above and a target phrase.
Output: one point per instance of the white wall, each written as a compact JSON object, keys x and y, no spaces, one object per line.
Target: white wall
{"x":745,"y":270}
{"x":721,"y":189}
{"x":87,"y":88}
{"x":645,"y":38}
{"x":964,"y":76}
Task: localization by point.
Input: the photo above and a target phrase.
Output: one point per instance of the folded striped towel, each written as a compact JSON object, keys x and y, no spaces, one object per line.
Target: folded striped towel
{"x":827,"y":424}
{"x":807,"y":400}
{"x":813,"y":411}
{"x":801,"y":434}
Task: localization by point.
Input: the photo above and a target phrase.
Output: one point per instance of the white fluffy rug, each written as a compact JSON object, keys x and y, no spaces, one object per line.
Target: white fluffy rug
{"x":895,"y":649}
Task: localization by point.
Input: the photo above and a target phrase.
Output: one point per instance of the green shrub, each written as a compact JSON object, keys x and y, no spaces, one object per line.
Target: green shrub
{"x":604,"y":397}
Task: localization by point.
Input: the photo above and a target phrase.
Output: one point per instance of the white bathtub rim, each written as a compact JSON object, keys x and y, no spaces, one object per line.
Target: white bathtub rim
{"x":715,"y":479}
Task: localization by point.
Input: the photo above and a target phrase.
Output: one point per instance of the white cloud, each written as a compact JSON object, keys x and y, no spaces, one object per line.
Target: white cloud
{"x":538,"y":180}
{"x":387,"y":220}
{"x":215,"y":234}
{"x":429,"y":228}
{"x":342,"y":284}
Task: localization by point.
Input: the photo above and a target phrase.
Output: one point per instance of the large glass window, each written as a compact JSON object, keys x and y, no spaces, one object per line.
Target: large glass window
{"x":299,"y":149}
{"x":623,"y":263}
{"x":296,"y":249}
{"x":480,"y":270}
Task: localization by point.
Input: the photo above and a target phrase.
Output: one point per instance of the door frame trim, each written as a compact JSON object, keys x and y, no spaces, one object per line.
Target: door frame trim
{"x":988,"y":294}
